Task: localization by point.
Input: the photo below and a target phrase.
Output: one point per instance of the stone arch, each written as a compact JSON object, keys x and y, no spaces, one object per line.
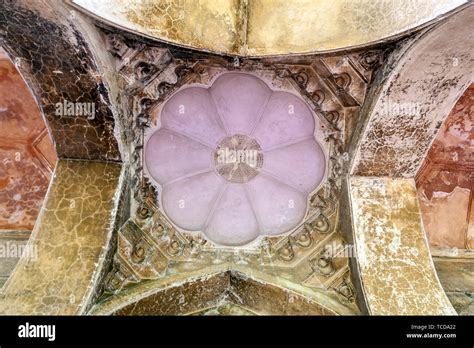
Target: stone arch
{"x":259,"y":28}
{"x":54,"y":52}
{"x":252,"y":291}
{"x":410,"y":99}
{"x":413,"y":98}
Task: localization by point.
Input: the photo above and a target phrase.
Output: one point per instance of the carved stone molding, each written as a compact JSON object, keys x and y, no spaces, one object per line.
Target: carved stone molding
{"x":151,"y":247}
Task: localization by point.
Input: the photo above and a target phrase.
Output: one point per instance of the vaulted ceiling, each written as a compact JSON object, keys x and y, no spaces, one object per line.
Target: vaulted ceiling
{"x":266,"y":28}
{"x":376,"y":78}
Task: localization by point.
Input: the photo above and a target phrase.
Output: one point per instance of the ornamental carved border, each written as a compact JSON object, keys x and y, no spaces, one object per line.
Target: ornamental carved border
{"x":315,"y":254}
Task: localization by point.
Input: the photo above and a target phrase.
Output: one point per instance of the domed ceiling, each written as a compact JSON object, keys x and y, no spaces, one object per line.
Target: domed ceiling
{"x":235,"y":160}
{"x":262,"y":28}
{"x":275,"y":182}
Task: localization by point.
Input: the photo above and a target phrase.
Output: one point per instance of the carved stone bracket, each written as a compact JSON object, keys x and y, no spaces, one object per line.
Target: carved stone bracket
{"x":150,"y":246}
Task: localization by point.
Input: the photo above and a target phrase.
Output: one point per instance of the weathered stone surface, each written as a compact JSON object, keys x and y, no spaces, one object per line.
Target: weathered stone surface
{"x":393,"y":258}
{"x":184,"y":298}
{"x":446,"y":180}
{"x":12,"y":245}
{"x":269,"y":299}
{"x":261,"y":27}
{"x":445,"y":199}
{"x":248,"y":289}
{"x":158,"y":269}
{"x":55,"y":58}
{"x":413,"y":98}
{"x":27,"y":155}
{"x":69,"y":242}
{"x":456,"y":274}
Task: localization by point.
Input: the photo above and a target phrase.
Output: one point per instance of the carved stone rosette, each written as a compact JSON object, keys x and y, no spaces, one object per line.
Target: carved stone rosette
{"x":315,"y":254}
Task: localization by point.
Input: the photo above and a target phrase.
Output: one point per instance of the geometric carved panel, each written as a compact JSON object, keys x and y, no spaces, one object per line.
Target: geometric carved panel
{"x":314,"y":253}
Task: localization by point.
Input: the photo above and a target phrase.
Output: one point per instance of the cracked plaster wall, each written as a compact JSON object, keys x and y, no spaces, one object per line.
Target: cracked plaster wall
{"x":413,"y":99}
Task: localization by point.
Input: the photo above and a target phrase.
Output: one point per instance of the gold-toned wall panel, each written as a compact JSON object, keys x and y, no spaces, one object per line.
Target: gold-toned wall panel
{"x":213,"y":25}
{"x":282,"y":26}
{"x":268,"y":27}
{"x":68,"y":245}
{"x":394,"y":261}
